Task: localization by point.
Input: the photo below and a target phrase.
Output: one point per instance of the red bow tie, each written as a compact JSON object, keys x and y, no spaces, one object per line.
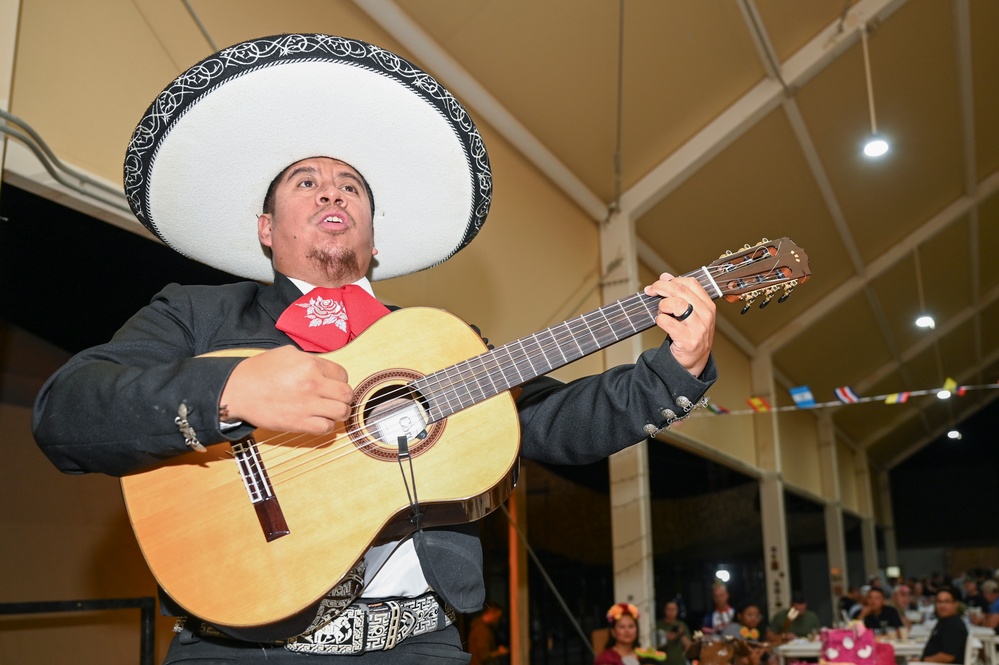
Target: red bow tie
{"x":326,"y":319}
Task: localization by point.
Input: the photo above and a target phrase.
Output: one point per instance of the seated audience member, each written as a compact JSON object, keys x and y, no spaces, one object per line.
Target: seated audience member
{"x":722,"y":613}
{"x":747,"y":627}
{"x":990,"y":617}
{"x":924,"y":601}
{"x":796,"y":621}
{"x":946,"y":642}
{"x":861,"y":602}
{"x":847,"y":602}
{"x":973,"y":598}
{"x":622,"y":645}
{"x":901,"y":598}
{"x":672,"y":634}
{"x":876,"y":615}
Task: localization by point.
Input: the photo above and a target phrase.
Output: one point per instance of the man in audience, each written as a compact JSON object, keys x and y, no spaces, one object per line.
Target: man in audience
{"x":901,"y":600}
{"x":796,"y":621}
{"x":722,"y":613}
{"x":972,"y":596}
{"x":878,"y":616}
{"x":861,"y":602}
{"x":851,"y":599}
{"x":990,"y":617}
{"x":946,"y":643}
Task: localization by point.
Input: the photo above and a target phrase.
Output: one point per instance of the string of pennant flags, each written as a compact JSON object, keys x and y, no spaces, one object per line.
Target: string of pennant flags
{"x":804,"y":399}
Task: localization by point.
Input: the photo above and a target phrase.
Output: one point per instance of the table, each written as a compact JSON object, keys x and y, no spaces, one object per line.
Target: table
{"x":986,"y":640}
{"x":813,"y":649}
{"x":990,"y":642}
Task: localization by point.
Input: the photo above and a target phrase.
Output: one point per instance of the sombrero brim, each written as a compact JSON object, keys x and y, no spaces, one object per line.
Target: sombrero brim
{"x":199,"y":162}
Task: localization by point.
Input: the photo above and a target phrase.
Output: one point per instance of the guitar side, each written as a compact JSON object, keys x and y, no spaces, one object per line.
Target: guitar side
{"x":200,"y":534}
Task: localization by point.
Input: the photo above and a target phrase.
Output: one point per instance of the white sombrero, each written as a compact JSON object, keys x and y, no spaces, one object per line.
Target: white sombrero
{"x":201,"y":158}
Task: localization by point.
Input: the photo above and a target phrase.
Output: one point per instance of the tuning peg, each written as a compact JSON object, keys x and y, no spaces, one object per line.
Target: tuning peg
{"x":788,"y":288}
{"x":750,"y":298}
{"x":770,"y":292}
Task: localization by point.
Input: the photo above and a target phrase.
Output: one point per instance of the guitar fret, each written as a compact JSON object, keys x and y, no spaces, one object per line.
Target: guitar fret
{"x":477,"y":375}
{"x":490,"y":358}
{"x":462,"y":400}
{"x":541,"y":353}
{"x":627,"y":318}
{"x":526,"y":356}
{"x":592,"y":335}
{"x":474,"y":375}
{"x":574,"y":338}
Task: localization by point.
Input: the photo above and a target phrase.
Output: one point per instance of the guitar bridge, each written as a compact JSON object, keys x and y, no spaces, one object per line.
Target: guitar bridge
{"x":258,"y":487}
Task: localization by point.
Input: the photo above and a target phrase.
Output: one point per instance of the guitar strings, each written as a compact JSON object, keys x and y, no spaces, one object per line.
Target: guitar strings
{"x":629,"y":307}
{"x":465,"y":378}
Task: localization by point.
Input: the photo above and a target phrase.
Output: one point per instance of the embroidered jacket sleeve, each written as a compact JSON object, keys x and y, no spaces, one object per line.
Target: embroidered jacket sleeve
{"x":113,"y":408}
{"x":589,"y":419}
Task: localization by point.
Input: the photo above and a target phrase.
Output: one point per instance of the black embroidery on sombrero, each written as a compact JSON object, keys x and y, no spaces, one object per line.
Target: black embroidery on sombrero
{"x":240,"y":59}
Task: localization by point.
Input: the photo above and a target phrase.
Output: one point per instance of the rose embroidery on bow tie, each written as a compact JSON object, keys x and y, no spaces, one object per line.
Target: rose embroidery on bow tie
{"x":324,"y":311}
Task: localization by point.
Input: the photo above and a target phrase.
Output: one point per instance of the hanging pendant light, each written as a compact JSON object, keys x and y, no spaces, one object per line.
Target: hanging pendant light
{"x":876,"y":144}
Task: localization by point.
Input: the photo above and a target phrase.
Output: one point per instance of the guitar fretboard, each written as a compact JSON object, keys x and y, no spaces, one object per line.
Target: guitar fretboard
{"x":463,"y":385}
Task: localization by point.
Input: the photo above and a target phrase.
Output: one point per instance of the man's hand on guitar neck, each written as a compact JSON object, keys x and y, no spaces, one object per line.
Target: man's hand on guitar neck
{"x":288,"y":390}
{"x":693,"y":336}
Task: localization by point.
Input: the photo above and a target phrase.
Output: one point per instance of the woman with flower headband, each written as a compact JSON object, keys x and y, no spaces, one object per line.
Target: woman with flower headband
{"x":622,"y":646}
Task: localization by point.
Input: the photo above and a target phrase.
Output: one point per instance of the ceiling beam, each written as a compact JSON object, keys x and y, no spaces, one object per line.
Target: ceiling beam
{"x":474,"y":95}
{"x":940,"y":332}
{"x":874,"y":437}
{"x":933,"y":436}
{"x":801,"y":67}
{"x":949,"y":215}
{"x":966,"y":99}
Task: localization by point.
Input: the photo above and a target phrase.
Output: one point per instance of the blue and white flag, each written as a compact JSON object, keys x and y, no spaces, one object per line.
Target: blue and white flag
{"x":802,"y":396}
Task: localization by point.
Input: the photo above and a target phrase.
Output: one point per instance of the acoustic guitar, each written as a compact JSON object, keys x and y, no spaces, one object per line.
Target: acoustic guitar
{"x":252,"y":535}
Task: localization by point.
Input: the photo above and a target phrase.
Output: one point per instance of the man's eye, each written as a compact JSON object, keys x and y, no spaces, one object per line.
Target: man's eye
{"x":307,"y":183}
{"x":350,"y":188}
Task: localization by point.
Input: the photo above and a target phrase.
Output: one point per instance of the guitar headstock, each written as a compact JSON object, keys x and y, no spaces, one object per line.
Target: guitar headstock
{"x":762,"y":270}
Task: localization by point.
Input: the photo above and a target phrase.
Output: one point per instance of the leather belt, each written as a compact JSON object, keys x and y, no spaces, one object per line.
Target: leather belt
{"x":361,"y":626}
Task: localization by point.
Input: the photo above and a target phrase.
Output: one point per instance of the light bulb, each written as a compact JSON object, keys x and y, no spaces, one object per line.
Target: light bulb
{"x":943,"y":394}
{"x":954,"y":434}
{"x":876,"y":145}
{"x":925,"y":321}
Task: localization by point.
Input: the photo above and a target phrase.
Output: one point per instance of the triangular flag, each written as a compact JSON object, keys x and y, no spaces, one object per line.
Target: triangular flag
{"x":717,"y":409}
{"x":759,"y":404}
{"x":950,"y":385}
{"x":846,"y":395}
{"x":802,"y":396}
{"x":897,"y":398}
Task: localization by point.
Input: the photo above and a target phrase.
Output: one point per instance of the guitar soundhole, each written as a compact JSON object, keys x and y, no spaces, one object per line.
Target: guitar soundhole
{"x":386,"y":409}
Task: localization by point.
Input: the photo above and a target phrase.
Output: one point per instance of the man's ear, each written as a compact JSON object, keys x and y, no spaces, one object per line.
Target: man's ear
{"x":264,"y":223}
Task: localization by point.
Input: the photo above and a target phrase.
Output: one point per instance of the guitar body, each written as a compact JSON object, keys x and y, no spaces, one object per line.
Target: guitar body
{"x":212,"y":552}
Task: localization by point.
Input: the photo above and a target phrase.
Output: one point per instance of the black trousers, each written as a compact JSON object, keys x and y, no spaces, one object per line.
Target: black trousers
{"x":442,"y":647}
